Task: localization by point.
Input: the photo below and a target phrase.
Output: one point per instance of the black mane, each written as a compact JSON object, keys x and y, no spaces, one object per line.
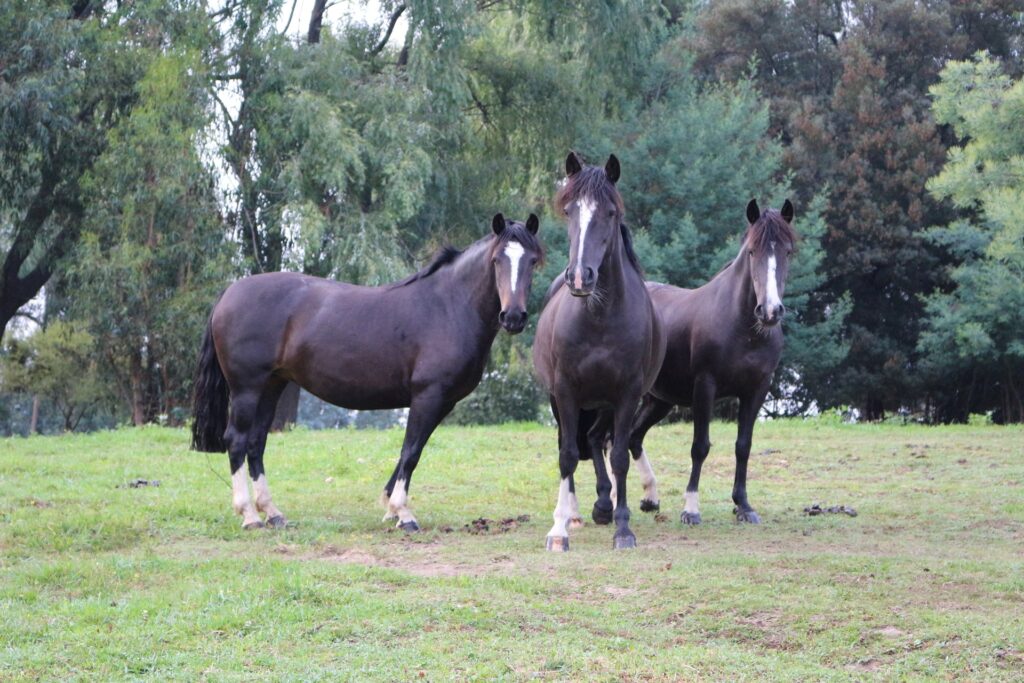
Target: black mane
{"x":444,"y":256}
{"x":447,"y":255}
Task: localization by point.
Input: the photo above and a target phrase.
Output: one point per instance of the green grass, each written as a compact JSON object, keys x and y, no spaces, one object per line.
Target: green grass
{"x":101,"y":582}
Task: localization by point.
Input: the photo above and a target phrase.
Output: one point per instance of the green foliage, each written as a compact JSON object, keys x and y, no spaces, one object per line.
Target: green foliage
{"x":979,"y":325}
{"x":151,"y":259}
{"x":508,"y":391}
{"x":57,"y":363}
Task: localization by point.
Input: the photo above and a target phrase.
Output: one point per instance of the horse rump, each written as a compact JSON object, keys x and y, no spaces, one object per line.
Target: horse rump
{"x":209,"y":399}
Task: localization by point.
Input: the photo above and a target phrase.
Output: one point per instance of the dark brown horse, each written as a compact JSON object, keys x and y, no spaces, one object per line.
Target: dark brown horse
{"x":421,"y":342}
{"x":599,"y":342}
{"x":724,"y":339}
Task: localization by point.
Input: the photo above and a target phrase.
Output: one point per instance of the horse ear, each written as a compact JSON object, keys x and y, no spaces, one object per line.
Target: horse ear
{"x":753,"y":213}
{"x":572,"y":164}
{"x":611,"y":168}
{"x":787,"y":211}
{"x":498,"y":224}
{"x":533,"y":224}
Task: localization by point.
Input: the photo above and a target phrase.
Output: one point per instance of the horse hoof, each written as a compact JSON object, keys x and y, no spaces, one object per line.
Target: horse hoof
{"x":624,"y":542}
{"x":277,"y":522}
{"x":649,"y":505}
{"x":576,"y":523}
{"x":253,"y":525}
{"x":600,"y":515}
{"x":558,"y":544}
{"x":692,"y":518}
{"x":748,"y":516}
{"x":409,"y":526}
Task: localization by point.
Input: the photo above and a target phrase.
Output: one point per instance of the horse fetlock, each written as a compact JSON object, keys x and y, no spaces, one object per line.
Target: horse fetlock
{"x":601,"y":515}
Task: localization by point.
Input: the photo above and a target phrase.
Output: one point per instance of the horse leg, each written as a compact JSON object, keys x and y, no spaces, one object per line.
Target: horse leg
{"x":744,"y":437}
{"x":703,"y":402}
{"x":619,"y":462}
{"x":258,"y":443}
{"x":652,"y":411}
{"x":591,"y":437}
{"x":427,"y":410}
{"x":244,"y":406}
{"x":568,"y":459}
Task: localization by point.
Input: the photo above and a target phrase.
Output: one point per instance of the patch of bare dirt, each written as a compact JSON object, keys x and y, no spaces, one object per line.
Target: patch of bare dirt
{"x":483,"y":525}
{"x":426,"y":564}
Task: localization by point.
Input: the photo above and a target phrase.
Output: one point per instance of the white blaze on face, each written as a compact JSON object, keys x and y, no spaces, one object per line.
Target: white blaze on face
{"x":563,"y":511}
{"x":587,"y":207}
{"x":772,"y":300}
{"x":515,"y":252}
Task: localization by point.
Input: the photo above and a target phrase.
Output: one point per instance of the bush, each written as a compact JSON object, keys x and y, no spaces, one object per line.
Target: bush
{"x":507,"y":392}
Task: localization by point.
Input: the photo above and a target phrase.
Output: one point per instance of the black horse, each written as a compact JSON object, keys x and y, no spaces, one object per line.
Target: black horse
{"x":421,"y":342}
{"x":599,"y":342}
{"x":724,"y":339}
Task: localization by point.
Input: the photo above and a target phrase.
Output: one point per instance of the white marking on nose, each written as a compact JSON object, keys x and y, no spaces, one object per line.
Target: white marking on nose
{"x":515,"y":252}
{"x":587,"y":207}
{"x":772,"y":300}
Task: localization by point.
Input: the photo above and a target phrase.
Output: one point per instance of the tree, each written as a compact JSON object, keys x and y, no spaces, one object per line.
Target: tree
{"x":973,"y":342}
{"x":67,"y":71}
{"x":152,"y":256}
{"x":57,"y":363}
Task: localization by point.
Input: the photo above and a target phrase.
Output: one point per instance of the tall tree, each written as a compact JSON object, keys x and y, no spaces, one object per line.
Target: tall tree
{"x":973,"y":342}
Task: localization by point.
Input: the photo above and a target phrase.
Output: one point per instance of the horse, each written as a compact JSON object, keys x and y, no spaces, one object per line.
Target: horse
{"x":599,"y":342}
{"x":420,"y":343}
{"x":724,"y":340}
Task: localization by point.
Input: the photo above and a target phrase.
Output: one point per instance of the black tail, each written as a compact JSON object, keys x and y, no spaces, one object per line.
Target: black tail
{"x":209,"y":400}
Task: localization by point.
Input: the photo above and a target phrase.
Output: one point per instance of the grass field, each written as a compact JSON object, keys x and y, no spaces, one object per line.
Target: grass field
{"x":99,"y":581}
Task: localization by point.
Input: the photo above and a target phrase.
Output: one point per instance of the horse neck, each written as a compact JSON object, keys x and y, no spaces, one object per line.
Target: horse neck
{"x":472,"y":277}
{"x":614,"y":273}
{"x":738,"y":286}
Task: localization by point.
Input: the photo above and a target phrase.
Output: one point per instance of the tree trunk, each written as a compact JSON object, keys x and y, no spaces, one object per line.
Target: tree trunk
{"x":33,"y":422}
{"x":316,"y":21}
{"x":138,"y":384}
{"x":287,"y":408}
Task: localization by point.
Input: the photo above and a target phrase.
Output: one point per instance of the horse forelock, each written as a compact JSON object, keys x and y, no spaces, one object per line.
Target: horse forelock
{"x":589,"y":183}
{"x":516,"y":232}
{"x":770,"y":227}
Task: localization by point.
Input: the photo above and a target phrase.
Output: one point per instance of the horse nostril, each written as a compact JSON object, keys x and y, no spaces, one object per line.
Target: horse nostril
{"x":588,"y":276}
{"x":568,"y":276}
{"x":759,"y":311}
{"x":780,"y":311}
{"x":501,"y":317}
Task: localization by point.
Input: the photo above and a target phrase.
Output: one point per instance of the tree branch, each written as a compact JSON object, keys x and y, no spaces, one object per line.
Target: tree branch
{"x":316,"y":21}
{"x":391,"y":27}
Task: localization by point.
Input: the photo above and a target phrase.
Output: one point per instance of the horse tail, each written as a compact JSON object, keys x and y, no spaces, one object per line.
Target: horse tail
{"x":209,"y":399}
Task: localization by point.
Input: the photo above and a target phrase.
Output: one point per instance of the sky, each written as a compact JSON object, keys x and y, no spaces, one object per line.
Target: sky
{"x":338,"y":11}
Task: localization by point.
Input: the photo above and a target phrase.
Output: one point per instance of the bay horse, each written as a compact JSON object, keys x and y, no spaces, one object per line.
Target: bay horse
{"x":420,"y":343}
{"x":724,"y":340}
{"x":599,"y":342}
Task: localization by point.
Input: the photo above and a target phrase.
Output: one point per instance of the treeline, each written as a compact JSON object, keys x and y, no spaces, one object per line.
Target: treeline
{"x":153,"y":151}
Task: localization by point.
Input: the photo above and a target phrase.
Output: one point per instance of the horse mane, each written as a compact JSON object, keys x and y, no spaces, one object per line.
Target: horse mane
{"x":770,"y":227}
{"x":590,"y":181}
{"x":627,"y":242}
{"x":445,"y":255}
{"x":448,"y":254}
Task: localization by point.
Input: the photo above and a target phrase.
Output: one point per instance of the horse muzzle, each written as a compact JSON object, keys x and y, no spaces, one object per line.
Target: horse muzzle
{"x":514,"y":321}
{"x":771,"y":317}
{"x":581,"y":281}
